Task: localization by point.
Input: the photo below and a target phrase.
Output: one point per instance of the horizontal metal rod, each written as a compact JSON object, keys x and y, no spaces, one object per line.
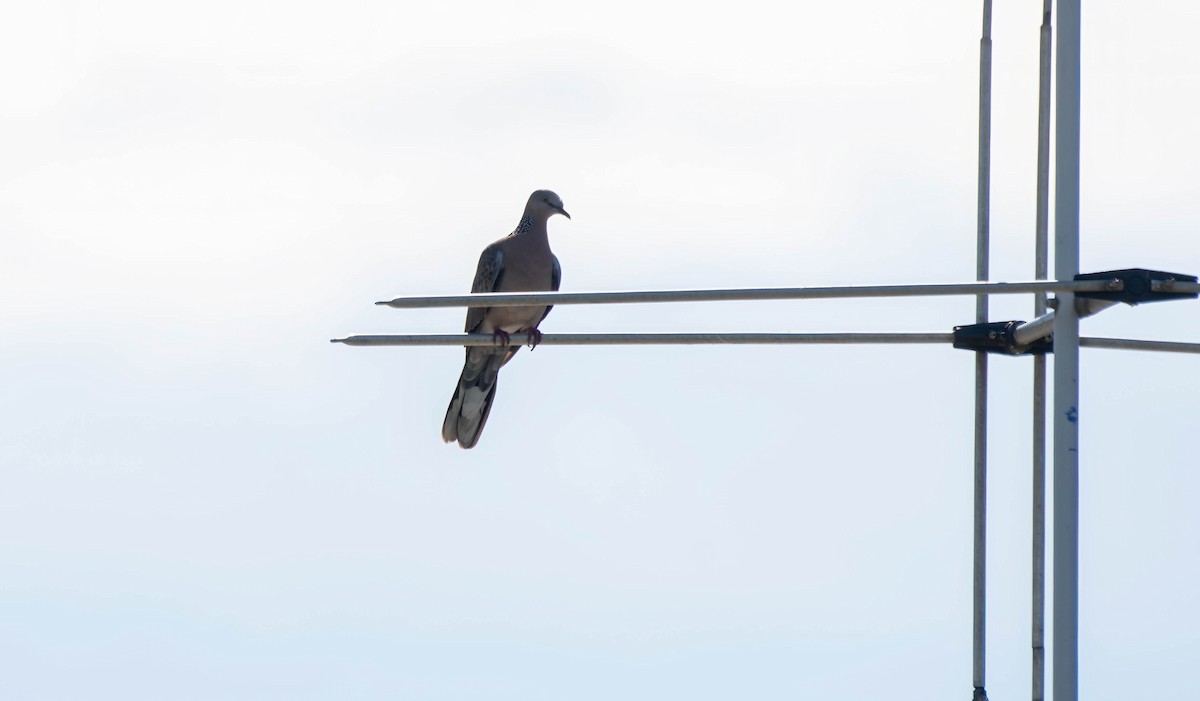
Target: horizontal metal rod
{"x":1134,"y":344}
{"x":646,"y":339}
{"x":517,"y":299}
{"x":678,"y":339}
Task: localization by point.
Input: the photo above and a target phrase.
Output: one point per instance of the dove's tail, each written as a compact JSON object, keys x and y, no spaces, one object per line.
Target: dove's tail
{"x":472,"y":400}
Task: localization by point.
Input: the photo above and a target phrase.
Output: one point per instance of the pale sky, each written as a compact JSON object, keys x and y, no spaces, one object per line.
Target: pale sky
{"x":204,"y":499}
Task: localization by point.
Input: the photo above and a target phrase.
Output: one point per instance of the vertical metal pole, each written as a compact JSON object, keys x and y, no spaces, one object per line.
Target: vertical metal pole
{"x":1066,"y":360}
{"x":981,"y":363}
{"x":1041,"y":271}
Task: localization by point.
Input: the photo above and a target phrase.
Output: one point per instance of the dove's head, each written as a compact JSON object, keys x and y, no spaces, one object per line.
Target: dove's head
{"x":545,"y":204}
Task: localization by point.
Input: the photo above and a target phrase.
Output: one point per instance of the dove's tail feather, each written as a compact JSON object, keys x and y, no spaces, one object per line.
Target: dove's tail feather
{"x":463,"y":427}
{"x":472,"y":400}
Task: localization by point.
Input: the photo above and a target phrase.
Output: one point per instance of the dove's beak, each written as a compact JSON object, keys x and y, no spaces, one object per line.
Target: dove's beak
{"x":564,"y":212}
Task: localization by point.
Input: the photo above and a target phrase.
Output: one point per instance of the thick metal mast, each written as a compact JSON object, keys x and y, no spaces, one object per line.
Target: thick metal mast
{"x":1065,"y":595}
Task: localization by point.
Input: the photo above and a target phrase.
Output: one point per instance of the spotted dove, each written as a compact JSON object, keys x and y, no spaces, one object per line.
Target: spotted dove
{"x":519,"y":262}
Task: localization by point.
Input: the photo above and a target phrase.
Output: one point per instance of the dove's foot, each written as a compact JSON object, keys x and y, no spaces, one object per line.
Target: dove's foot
{"x":535,"y":336}
{"x":500,"y":337}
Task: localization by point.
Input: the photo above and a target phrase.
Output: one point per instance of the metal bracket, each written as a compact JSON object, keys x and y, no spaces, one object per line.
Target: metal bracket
{"x":998,"y":337}
{"x":1131,"y":286}
{"x":1139,"y":286}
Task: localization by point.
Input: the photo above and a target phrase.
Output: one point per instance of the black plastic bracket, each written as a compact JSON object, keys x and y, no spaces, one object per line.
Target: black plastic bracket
{"x":998,"y":337}
{"x":1139,"y":286}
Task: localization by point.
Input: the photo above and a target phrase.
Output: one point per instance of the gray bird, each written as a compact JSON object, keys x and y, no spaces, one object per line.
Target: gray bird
{"x":519,"y":262}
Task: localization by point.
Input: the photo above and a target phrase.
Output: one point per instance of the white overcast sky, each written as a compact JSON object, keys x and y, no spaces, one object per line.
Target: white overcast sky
{"x":201,"y":498}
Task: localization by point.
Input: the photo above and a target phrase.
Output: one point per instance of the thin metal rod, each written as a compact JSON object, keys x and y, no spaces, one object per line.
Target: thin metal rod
{"x":648,"y":339}
{"x":1133,"y":344}
{"x":756,"y":339}
{"x":979,"y":570}
{"x":1038,"y":613}
{"x":1065,"y":590}
{"x":759,"y":339}
{"x":1041,"y":272}
{"x":1041,"y":237}
{"x":518,"y":299}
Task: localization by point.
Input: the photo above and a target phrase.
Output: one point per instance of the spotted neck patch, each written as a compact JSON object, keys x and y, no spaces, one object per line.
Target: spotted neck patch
{"x":525,"y":225}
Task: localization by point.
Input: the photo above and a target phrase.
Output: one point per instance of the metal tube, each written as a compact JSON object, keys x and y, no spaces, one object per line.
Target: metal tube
{"x":518,"y":299}
{"x":1041,"y":237}
{"x":761,"y":339}
{"x":1031,"y":331}
{"x":1043,"y":326}
{"x":1133,"y":344}
{"x":1175,"y":286}
{"x":1041,"y":272}
{"x":1038,"y":612}
{"x":979,"y":570}
{"x":1066,"y":360}
{"x":648,"y":339}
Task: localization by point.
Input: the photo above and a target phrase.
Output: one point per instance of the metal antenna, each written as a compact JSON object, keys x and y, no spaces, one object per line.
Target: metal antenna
{"x":1077,"y":296}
